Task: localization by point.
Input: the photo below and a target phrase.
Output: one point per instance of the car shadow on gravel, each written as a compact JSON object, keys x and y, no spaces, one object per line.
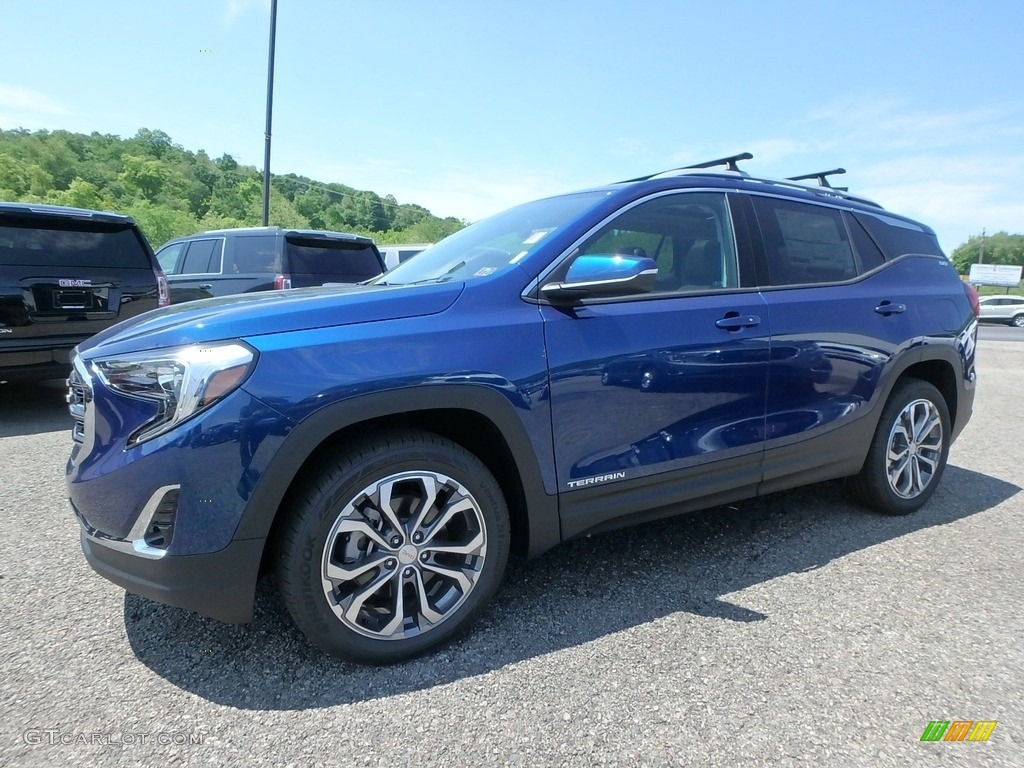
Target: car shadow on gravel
{"x":578,"y":592}
{"x":31,"y":409}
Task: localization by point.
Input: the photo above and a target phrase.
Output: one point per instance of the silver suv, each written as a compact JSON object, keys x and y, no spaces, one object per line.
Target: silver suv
{"x":1003,"y":309}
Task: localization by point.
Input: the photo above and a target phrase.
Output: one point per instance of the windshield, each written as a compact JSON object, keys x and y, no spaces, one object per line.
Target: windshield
{"x":492,"y":244}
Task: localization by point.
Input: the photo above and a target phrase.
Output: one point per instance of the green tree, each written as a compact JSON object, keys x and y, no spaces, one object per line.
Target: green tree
{"x":283,"y":212}
{"x":407,"y":216}
{"x":1000,"y":248}
{"x":14,"y":177}
{"x":145,"y":176}
{"x":155,"y":143}
{"x":57,"y":159}
{"x":83,"y":194}
{"x":311,"y":204}
{"x":160,"y":224}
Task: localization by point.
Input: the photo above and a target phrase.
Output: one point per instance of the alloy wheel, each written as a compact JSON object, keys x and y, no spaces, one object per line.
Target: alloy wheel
{"x":914,"y":448}
{"x":404,"y":555}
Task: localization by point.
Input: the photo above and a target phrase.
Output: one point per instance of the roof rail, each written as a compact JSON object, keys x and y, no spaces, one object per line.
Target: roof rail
{"x":732,"y":171}
{"x":729,"y":162}
{"x":821,"y":177}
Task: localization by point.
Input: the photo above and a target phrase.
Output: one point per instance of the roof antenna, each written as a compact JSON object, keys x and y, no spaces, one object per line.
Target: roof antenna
{"x":822,"y":178}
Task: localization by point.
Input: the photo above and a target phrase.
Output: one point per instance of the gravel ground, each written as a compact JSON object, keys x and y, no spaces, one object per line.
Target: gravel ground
{"x":792,"y":630}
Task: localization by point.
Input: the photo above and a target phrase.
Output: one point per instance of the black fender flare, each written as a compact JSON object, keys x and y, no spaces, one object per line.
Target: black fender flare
{"x":319,"y":426}
{"x":928,"y":352}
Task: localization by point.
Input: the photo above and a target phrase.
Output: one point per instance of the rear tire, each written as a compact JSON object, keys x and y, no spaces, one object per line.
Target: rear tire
{"x":396,"y":547}
{"x":908,"y":452}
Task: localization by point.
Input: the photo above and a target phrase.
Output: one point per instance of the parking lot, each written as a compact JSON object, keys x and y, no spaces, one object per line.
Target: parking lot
{"x":796,"y":629}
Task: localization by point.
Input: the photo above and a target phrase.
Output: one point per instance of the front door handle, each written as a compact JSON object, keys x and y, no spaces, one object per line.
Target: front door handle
{"x":888,"y":308}
{"x":734,"y":321}
{"x":205,"y":286}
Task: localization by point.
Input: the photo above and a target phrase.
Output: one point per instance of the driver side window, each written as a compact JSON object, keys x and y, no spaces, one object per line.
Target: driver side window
{"x":688,"y":235}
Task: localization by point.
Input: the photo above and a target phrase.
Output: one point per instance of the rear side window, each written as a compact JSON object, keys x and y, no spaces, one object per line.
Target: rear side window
{"x":332,"y":261}
{"x":897,"y":237}
{"x":256,"y":254}
{"x":29,"y":244}
{"x":203,"y":257}
{"x":804,"y":243}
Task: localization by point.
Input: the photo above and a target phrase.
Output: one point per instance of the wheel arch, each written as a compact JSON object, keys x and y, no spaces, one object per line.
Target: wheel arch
{"x":479,"y":419}
{"x":939,"y":366}
{"x":941,"y":374}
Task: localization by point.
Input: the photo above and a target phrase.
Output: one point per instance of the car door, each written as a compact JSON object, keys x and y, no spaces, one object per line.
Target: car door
{"x":662,"y":394}
{"x":833,"y":331}
{"x":196,"y":269}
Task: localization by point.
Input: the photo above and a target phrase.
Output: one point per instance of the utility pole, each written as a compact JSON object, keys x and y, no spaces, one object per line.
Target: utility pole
{"x":981,"y":253}
{"x":270,"y":111}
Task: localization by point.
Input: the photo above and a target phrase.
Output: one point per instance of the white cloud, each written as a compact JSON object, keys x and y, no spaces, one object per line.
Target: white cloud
{"x":25,"y":100}
{"x":233,"y":9}
{"x":957,"y":171}
{"x":630,"y":147}
{"x":465,"y":192}
{"x":772,"y":151}
{"x":957,"y":196}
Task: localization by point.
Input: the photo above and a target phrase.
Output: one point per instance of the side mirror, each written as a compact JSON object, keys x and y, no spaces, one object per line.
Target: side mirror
{"x":603,"y":275}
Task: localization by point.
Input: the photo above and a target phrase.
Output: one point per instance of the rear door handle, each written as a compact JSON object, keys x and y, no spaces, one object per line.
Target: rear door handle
{"x":888,"y":308}
{"x":737,"y":321}
{"x":205,"y":286}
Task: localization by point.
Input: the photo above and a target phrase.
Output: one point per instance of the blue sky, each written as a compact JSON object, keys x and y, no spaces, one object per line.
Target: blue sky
{"x":471,"y":107}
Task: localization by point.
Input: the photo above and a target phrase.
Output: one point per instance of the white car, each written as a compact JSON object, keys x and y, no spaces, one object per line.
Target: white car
{"x":394,"y":255}
{"x":1003,"y":309}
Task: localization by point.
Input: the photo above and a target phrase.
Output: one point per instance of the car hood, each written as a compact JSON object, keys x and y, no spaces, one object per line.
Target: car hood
{"x":254,"y":314}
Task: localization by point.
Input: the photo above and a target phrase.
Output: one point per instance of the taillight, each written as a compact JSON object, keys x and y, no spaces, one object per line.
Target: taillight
{"x":972,"y":296}
{"x":282,"y":282}
{"x":163,"y":291}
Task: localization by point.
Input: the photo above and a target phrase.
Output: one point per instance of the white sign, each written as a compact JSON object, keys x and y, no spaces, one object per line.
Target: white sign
{"x":995,"y":274}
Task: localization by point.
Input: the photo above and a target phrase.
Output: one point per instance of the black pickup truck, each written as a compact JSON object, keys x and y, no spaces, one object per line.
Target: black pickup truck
{"x":66,"y":274}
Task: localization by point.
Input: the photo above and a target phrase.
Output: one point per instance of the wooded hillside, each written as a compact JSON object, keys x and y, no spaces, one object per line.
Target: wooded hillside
{"x":173,"y":191}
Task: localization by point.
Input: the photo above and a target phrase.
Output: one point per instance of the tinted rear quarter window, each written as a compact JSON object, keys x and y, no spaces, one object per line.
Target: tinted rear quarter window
{"x":333,"y":261}
{"x":255,"y":254}
{"x":897,"y":237}
{"x":804,"y":243}
{"x":869,"y":254}
{"x":36,"y":244}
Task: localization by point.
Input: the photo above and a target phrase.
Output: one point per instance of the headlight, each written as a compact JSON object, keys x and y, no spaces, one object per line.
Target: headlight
{"x":182,"y":381}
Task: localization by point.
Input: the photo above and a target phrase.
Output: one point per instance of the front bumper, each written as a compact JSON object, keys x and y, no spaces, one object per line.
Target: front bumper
{"x":220,"y":585}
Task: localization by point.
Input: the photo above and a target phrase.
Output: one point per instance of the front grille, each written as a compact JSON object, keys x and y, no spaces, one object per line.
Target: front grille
{"x":78,"y":398}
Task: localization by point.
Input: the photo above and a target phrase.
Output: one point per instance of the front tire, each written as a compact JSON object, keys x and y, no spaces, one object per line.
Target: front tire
{"x":395,"y":549}
{"x":1018,"y":321}
{"x":908,"y":452}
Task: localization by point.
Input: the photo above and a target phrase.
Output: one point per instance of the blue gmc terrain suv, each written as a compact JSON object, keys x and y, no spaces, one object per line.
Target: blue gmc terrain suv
{"x":569,"y":366}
